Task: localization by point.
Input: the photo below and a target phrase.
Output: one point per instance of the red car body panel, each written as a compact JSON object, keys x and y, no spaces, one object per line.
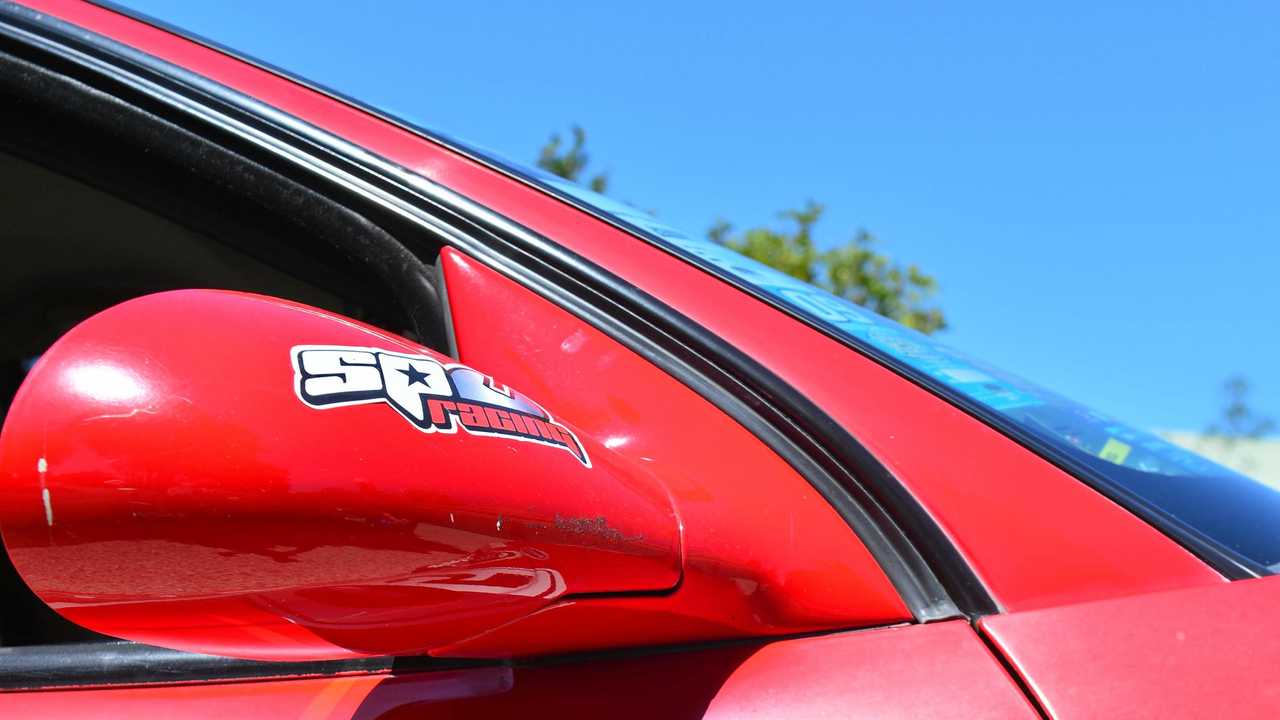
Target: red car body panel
{"x":1203,"y":652}
{"x":917,"y":672}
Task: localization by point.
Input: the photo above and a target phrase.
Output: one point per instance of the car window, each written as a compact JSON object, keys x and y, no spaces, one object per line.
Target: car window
{"x":72,"y":249}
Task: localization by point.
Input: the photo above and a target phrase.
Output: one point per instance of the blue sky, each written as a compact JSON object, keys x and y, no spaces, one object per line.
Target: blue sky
{"x":1094,"y":186}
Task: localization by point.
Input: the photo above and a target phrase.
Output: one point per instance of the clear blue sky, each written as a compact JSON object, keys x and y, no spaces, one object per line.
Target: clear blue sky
{"x":1095,"y":186}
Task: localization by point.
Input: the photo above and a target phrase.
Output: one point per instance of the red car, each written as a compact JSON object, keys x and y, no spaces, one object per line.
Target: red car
{"x":312,"y":413}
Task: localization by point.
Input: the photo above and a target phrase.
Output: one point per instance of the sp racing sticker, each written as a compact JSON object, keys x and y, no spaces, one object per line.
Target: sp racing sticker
{"x":432,"y":396}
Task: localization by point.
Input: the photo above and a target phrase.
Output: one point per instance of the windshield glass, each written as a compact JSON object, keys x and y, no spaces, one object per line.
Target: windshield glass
{"x":1238,"y":513}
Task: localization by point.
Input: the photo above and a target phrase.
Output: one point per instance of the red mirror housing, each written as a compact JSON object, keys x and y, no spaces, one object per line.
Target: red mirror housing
{"x":244,"y":476}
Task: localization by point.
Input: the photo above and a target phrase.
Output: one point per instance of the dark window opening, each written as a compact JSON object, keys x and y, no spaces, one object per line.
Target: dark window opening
{"x":102,"y":202}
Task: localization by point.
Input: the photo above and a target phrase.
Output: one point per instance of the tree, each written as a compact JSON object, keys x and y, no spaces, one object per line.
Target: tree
{"x":569,"y":163}
{"x":1229,"y":440}
{"x":854,"y":270}
{"x":1239,"y":420}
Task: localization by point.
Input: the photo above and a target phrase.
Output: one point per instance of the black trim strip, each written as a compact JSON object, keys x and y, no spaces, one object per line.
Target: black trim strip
{"x":1229,"y":564}
{"x":815,"y":444}
{"x":126,"y":663}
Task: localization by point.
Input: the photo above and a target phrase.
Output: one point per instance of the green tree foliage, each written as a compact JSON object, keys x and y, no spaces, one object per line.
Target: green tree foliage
{"x":570,"y":162}
{"x":855,"y":270}
{"x":1232,"y":438}
{"x":1239,"y":419}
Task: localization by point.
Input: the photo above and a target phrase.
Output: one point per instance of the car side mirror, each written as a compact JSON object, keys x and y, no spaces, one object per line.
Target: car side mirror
{"x":244,"y":476}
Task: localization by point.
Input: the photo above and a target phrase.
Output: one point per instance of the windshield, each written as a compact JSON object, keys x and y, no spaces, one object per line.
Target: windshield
{"x":1234,"y":511}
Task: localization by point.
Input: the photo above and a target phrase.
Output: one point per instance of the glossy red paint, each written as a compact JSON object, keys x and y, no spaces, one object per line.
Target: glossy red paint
{"x":163,"y":480}
{"x":986,"y":492}
{"x":1203,"y":652}
{"x":918,"y":672}
{"x":764,"y":552}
